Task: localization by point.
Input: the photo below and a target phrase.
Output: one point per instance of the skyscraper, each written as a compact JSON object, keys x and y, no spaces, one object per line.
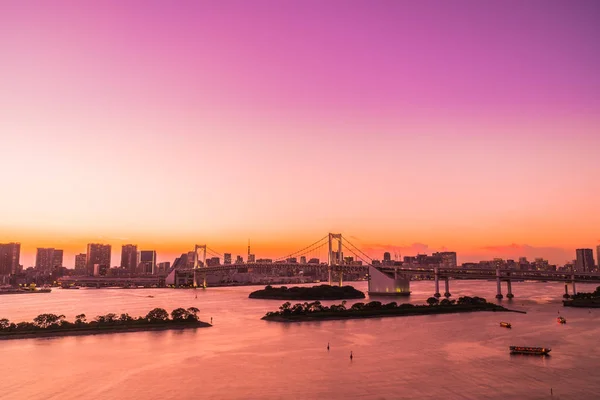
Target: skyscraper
{"x":585,"y":260}
{"x":129,"y":257}
{"x":448,"y":258}
{"x":44,"y":259}
{"x":98,"y":258}
{"x":57,"y":259}
{"x":9,"y":258}
{"x":147,"y":262}
{"x":81,"y":264}
{"x":227,"y":258}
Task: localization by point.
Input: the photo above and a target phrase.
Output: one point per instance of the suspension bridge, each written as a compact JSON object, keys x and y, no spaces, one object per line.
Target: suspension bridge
{"x":382,"y":279}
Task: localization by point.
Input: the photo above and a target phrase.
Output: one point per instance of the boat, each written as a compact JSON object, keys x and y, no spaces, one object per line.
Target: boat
{"x":505,"y":324}
{"x":22,"y":291}
{"x":541,"y":351}
{"x":561,"y":320}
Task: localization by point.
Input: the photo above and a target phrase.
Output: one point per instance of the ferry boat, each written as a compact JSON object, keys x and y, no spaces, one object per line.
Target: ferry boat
{"x":505,"y":325}
{"x":561,"y":320}
{"x":541,"y":351}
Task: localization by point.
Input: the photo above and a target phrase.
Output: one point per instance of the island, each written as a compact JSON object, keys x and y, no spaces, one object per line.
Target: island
{"x":315,"y":311}
{"x":586,"y":300}
{"x":48,"y":325}
{"x":322,"y":292}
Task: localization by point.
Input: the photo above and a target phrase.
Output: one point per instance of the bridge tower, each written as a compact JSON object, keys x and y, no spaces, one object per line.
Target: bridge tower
{"x":196,"y":264}
{"x":335,"y":258}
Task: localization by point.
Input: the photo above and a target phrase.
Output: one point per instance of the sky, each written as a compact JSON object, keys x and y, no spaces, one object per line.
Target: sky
{"x":471,"y":126}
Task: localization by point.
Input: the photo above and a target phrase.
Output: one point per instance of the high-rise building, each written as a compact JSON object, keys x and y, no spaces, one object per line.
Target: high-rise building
{"x":9,"y":258}
{"x":81,"y":264}
{"x":147,"y":263}
{"x":387,"y":256}
{"x":598,"y":256}
{"x":98,"y":259}
{"x":129,"y":257}
{"x":448,"y":258}
{"x":163,"y":266}
{"x":44,"y":259}
{"x":251,"y":258}
{"x":585,"y":260}
{"x":302,"y":259}
{"x":57,"y":259}
{"x":227,"y":258}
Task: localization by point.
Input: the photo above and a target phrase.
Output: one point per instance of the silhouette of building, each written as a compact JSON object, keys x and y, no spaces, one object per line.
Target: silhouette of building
{"x":129,"y":257}
{"x":163,"y":266}
{"x":57,"y":261}
{"x":598,"y":256}
{"x":585,"y":260}
{"x":10,"y":254}
{"x":227,"y":258}
{"x":47,"y":259}
{"x":387,"y":256}
{"x":147,"y":263}
{"x":98,"y":259}
{"x":448,"y":258}
{"x":81,"y":264}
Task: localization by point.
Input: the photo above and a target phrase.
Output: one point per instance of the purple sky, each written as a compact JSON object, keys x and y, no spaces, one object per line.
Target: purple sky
{"x":476,"y":122}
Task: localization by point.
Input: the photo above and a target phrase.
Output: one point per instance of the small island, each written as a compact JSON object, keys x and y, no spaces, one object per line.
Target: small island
{"x":322,"y":292}
{"x":48,"y":325}
{"x":586,"y":300}
{"x":315,"y":311}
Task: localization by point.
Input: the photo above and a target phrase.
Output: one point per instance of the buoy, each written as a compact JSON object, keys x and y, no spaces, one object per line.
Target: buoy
{"x":351,"y":356}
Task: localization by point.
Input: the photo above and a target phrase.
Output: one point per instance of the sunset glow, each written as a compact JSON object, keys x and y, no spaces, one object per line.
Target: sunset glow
{"x":407,"y":126}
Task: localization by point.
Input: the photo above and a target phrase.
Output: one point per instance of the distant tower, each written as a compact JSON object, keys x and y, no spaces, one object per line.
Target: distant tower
{"x":248,"y":248}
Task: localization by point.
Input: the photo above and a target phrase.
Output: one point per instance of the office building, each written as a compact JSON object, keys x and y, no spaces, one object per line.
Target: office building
{"x":387,"y":256}
{"x":163,"y":267}
{"x":10,"y":254}
{"x":81,"y":264}
{"x":227,"y":258}
{"x":44,"y":260}
{"x":251,"y":258}
{"x":57,"y":259}
{"x":598,"y":256}
{"x":98,"y":259}
{"x":584,"y":261}
{"x":147,"y":263}
{"x":302,"y":259}
{"x":129,"y":257}
{"x":448,"y":258}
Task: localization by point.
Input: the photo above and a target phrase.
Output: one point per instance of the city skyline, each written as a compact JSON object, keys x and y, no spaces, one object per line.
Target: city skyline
{"x":376,"y":252}
{"x":469,"y":126}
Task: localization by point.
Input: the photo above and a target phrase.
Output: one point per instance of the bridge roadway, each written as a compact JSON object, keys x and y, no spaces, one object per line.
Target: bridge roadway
{"x":505,"y":274}
{"x":278,"y":266}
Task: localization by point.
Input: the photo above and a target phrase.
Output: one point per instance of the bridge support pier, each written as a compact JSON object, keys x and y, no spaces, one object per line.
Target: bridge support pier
{"x":329,"y":270}
{"x":204,"y":280}
{"x":341,"y":278}
{"x":566,"y":295}
{"x":499,"y":287}
{"x":510,"y":294}
{"x":573,"y":284}
{"x":447,"y":284}
{"x":437,"y":283}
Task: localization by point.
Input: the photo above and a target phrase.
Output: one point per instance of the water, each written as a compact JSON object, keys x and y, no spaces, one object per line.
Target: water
{"x":460,"y":356}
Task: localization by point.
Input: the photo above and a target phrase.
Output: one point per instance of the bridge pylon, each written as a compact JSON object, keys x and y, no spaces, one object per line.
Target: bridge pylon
{"x":201,"y":247}
{"x":335,"y":257}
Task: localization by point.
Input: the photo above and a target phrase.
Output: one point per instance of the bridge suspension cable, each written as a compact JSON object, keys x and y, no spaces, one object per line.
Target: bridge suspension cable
{"x":356,"y":248}
{"x":304,"y":250}
{"x":357,"y":256}
{"x":214,"y":253}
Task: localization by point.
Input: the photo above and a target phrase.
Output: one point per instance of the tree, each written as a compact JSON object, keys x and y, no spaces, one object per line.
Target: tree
{"x":285,"y":308}
{"x":445,"y":302}
{"x":4,"y":323}
{"x":79,"y":319}
{"x":157,"y":315}
{"x":357,"y":306}
{"x":179,"y":314}
{"x":432,"y":301}
{"x":193,"y":310}
{"x":47,"y":320}
{"x":125,"y":318}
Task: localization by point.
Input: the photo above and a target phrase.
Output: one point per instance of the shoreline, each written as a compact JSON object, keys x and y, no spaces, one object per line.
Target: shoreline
{"x":101,"y":331}
{"x":310,"y":293}
{"x":383,"y":314}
